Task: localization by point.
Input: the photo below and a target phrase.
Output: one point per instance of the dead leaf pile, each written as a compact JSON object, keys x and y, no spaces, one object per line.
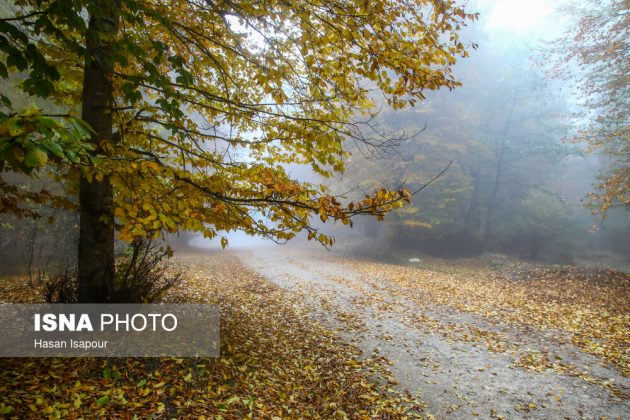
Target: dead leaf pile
{"x":276,"y":361}
{"x":591,"y":305}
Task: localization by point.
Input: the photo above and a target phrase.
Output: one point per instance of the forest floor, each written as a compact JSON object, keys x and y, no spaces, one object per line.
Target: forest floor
{"x":276,"y":362}
{"x":308,"y":334}
{"x":500,"y":340}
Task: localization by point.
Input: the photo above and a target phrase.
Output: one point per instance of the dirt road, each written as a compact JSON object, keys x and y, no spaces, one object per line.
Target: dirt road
{"x":461,"y":364}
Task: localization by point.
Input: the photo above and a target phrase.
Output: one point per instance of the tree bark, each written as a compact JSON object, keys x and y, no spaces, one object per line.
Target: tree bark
{"x":495,"y":188}
{"x":472,"y":205}
{"x":96,"y":237}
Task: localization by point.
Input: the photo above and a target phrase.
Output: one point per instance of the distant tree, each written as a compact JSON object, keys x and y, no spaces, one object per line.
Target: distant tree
{"x":594,"y":54}
{"x":542,"y":219}
{"x":503,"y":132}
{"x":195,"y":106}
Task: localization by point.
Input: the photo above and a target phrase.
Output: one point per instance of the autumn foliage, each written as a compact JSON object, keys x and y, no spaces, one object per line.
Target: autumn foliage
{"x":594,"y":56}
{"x":211,"y":101}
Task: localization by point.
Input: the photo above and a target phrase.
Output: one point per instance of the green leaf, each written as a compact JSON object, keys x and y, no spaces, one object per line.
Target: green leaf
{"x":48,"y":122}
{"x":16,"y":128}
{"x":5,"y":409}
{"x":5,"y":148}
{"x":36,"y":157}
{"x":102,"y":401}
{"x":53,"y":148}
{"x":72,"y":156}
{"x":81,"y":131}
{"x":17,"y":60}
{"x":5,"y":101}
{"x":84,"y":126}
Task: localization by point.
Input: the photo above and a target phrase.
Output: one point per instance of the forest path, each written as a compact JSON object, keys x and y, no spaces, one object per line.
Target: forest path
{"x":461,"y":364}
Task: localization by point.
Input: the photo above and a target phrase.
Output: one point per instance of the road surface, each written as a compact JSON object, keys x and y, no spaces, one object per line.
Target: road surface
{"x":461,"y":364}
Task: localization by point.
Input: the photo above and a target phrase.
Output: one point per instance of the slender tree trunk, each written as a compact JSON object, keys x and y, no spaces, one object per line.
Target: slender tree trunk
{"x":497,"y":178}
{"x":472,"y":205}
{"x":96,"y":237}
{"x":493,"y":195}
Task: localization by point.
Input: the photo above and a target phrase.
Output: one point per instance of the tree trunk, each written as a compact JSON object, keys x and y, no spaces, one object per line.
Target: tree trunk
{"x":493,"y":195}
{"x":96,"y":237}
{"x":472,"y":206}
{"x":495,"y":188}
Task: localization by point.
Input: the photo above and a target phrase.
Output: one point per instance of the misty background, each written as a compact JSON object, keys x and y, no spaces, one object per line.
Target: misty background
{"x":515,"y":185}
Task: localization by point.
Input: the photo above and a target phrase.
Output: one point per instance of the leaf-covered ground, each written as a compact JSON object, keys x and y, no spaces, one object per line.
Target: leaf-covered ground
{"x":307,"y":334}
{"x":591,"y":305}
{"x":496,"y":339}
{"x":277,"y":361}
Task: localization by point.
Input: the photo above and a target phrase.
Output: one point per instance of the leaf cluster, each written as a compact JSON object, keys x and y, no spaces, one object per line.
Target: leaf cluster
{"x":213,"y":101}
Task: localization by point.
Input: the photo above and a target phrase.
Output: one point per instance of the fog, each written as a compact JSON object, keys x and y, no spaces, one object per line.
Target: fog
{"x":515,"y":184}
